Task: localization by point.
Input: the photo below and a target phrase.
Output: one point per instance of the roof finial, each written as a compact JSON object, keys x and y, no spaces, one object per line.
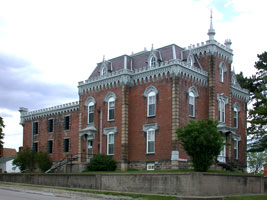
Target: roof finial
{"x":211,"y":32}
{"x":152,"y":48}
{"x":103,"y":58}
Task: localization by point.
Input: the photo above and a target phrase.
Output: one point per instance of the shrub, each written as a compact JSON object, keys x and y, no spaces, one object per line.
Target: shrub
{"x":28,"y":160}
{"x":102,"y":162}
{"x":202,"y":142}
{"x":25,"y":159}
{"x":43,"y":161}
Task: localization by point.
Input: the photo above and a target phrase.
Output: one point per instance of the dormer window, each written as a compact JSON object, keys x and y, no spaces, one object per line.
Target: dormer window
{"x":104,"y":71}
{"x":152,"y":62}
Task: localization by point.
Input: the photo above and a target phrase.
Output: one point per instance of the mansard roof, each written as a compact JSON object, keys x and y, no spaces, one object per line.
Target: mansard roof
{"x":139,"y":60}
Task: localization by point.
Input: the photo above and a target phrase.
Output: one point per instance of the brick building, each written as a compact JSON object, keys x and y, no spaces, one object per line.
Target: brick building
{"x":131,"y":105}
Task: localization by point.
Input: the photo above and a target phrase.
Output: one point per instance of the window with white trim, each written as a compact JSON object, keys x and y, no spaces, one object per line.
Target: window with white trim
{"x":150,"y":141}
{"x":111,"y":109}
{"x":152,"y":62}
{"x":104,"y":71}
{"x":235,"y":149}
{"x":221,"y":110}
{"x":91,"y":108}
{"x":221,"y":75}
{"x":110,"y":143}
{"x":235,"y":117}
{"x":191,"y":104}
{"x":222,"y":69}
{"x":151,"y":104}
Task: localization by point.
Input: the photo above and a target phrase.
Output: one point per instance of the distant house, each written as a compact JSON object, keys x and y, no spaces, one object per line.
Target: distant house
{"x":7,"y":159}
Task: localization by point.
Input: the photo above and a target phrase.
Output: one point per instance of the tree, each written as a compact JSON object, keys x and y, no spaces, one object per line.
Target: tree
{"x":1,"y":133}
{"x":29,"y":160}
{"x":43,"y":161}
{"x":202,"y":142}
{"x":257,"y":116}
{"x":25,"y":159}
{"x":256,"y":160}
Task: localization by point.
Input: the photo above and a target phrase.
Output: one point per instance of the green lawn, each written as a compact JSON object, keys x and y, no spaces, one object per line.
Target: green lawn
{"x":252,"y":197}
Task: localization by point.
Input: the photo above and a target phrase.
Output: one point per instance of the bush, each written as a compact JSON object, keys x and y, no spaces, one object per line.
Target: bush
{"x":25,"y":159}
{"x":102,"y":162}
{"x":28,"y":160}
{"x":202,"y":142}
{"x":43,"y":161}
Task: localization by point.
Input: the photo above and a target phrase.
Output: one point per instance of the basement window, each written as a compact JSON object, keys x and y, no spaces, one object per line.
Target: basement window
{"x":150,"y":166}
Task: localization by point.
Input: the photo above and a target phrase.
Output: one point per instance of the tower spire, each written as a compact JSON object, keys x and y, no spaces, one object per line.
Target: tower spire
{"x":211,"y":32}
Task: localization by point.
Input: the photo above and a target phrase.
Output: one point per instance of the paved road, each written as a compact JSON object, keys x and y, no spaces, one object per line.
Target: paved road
{"x":17,"y":192}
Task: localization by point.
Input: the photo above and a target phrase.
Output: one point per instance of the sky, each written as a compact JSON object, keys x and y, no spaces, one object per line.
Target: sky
{"x":48,"y":46}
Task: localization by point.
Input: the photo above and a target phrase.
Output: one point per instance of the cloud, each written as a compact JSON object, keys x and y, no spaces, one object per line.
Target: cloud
{"x":20,"y":86}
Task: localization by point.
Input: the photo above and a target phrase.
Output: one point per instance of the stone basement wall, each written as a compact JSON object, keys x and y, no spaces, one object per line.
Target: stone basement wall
{"x":184,"y":184}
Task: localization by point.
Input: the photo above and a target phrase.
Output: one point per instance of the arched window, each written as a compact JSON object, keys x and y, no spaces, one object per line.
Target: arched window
{"x":222,"y":101}
{"x":221,"y":110}
{"x":222,"y":69}
{"x":104,"y":71}
{"x":110,"y":143}
{"x":150,"y":141}
{"x":91,"y":108}
{"x":110,"y":99}
{"x":151,"y":104}
{"x":192,"y":94}
{"x":191,"y":104}
{"x":236,"y":109}
{"x":90,"y":104}
{"x":111,"y":109}
{"x":235,"y":118}
{"x":152,"y":62}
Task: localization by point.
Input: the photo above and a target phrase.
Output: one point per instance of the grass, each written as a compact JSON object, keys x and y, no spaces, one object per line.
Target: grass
{"x":250,"y":197}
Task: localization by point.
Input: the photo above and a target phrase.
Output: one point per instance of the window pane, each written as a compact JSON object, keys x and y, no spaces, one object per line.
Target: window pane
{"x":151,"y":147}
{"x":67,"y":123}
{"x":152,"y":109}
{"x":111,"y":114}
{"x":191,"y":110}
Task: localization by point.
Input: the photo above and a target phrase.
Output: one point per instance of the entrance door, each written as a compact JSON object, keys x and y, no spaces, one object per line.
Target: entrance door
{"x":89,"y":150}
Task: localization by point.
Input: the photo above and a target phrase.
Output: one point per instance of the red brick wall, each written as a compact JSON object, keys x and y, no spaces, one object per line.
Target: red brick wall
{"x":57,"y":135}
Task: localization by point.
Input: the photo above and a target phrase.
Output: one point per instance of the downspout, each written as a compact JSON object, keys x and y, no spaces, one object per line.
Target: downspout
{"x":100,"y":146}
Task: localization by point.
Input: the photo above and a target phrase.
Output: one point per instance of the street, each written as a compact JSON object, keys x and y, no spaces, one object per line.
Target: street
{"x":19,"y":192}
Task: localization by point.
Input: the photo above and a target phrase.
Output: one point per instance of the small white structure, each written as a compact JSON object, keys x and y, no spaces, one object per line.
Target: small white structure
{"x":6,"y":165}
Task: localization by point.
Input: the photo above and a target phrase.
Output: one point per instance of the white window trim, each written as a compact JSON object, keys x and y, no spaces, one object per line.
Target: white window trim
{"x":236,"y":118}
{"x":221,"y":110}
{"x":151,"y":94}
{"x":108,"y":143}
{"x":236,"y":146}
{"x":150,"y":166}
{"x":111,"y":99}
{"x":193,"y":98}
{"x":222,"y":70}
{"x":91,"y":104}
{"x":152,"y":61}
{"x":154,"y":140}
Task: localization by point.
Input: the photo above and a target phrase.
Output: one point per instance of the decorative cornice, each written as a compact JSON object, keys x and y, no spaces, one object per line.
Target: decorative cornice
{"x":213,"y":47}
{"x":141,"y":75}
{"x":110,"y":129}
{"x":64,"y":108}
{"x":240,"y":93}
{"x":146,"y":127}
